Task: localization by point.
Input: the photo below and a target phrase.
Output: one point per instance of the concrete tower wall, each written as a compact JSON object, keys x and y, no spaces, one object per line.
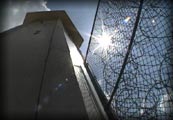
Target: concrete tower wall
{"x":39,"y":79}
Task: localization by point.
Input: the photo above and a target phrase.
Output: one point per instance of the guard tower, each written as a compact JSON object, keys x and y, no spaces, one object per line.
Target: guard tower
{"x":127,"y":73}
{"x":43,"y":72}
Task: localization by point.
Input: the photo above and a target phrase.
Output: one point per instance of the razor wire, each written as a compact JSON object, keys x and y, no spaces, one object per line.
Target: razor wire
{"x":145,"y":89}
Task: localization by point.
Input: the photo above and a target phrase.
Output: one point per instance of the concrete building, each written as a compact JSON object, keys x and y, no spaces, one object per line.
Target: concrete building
{"x":43,"y":71}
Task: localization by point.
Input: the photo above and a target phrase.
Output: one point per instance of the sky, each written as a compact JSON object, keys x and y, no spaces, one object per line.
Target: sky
{"x":81,"y":12}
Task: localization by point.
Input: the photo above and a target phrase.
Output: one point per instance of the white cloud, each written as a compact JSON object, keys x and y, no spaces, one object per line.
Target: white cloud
{"x":15,"y":11}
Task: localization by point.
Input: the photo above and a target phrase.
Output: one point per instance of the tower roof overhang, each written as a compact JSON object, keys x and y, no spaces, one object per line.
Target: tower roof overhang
{"x":54,"y":15}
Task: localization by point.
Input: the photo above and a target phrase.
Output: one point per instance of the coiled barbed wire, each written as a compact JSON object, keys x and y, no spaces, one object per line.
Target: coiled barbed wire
{"x":145,"y":90}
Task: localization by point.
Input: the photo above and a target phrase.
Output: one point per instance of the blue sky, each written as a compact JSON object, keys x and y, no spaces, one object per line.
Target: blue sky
{"x":81,"y":12}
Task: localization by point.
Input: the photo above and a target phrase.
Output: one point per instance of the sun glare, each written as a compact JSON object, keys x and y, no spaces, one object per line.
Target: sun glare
{"x":104,"y":40}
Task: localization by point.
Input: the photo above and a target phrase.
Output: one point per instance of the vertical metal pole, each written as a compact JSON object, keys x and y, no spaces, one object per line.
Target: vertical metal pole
{"x":98,"y":4}
{"x":127,"y":54}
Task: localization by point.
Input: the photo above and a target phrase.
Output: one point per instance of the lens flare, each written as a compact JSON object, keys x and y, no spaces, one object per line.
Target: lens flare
{"x":127,"y":19}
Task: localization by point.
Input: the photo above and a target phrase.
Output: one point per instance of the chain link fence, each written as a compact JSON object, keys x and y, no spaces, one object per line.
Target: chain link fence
{"x":131,"y":56}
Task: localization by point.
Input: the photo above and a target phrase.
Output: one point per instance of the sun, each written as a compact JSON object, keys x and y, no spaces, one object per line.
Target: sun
{"x":104,"y":40}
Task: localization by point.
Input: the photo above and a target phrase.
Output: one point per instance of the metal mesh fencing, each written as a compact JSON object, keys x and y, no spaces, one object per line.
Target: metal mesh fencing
{"x":131,"y":56}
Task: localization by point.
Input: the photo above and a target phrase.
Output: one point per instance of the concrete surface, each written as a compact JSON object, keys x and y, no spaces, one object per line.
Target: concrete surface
{"x":39,"y":80}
